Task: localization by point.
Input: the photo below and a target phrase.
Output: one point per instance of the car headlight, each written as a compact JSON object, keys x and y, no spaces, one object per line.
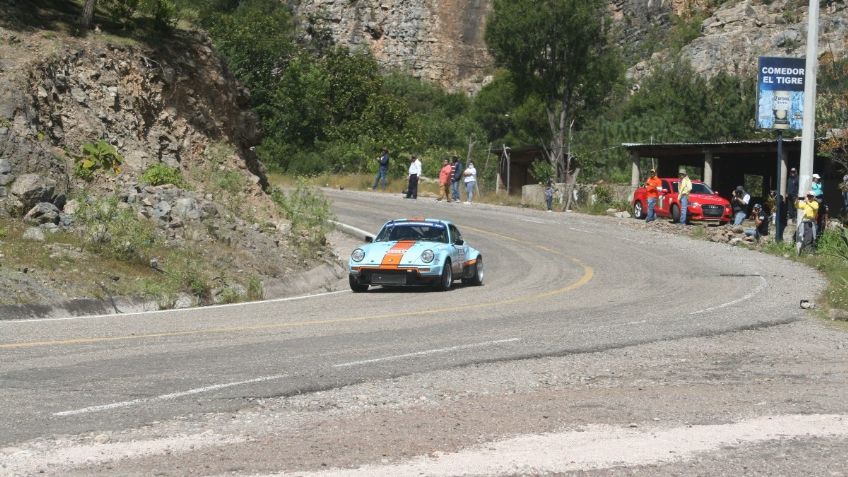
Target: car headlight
{"x":695,"y":204}
{"x":427,"y":256}
{"x":357,"y":255}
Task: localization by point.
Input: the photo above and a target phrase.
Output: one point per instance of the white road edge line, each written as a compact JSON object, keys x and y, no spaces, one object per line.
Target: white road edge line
{"x":156,"y":312}
{"x":425,"y":353}
{"x":166,"y":397}
{"x":761,"y":287}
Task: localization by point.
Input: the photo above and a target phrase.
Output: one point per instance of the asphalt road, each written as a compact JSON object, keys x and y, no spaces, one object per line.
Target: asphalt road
{"x":556,"y":285}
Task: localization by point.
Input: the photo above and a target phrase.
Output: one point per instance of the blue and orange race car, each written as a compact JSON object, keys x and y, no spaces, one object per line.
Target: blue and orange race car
{"x":414,"y":252}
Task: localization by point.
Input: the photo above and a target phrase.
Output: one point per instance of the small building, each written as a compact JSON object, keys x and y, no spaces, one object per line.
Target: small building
{"x":725,"y":165}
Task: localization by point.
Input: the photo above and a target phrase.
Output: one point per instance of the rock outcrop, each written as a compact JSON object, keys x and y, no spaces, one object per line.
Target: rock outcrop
{"x":444,"y":42}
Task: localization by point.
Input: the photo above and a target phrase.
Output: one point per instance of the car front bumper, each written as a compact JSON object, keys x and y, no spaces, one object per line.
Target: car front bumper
{"x":401,"y":276}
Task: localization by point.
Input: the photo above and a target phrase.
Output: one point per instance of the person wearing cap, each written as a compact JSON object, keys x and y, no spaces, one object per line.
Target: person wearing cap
{"x":816,"y":186}
{"x":739,"y":203}
{"x":761,"y":223}
{"x":684,"y":188}
{"x":810,"y":207}
{"x":652,"y":189}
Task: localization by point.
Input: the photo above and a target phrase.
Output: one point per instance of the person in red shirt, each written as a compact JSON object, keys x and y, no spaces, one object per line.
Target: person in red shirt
{"x":653,"y":186}
{"x":445,"y":180}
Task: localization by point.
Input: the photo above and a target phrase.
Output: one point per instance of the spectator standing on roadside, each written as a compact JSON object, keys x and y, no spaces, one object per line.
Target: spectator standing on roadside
{"x":470,"y":177}
{"x":549,"y":195}
{"x":739,"y":204}
{"x":843,"y":187}
{"x":652,"y":188}
{"x":456,"y":176}
{"x":792,"y":186}
{"x":761,"y":223}
{"x":810,"y":207}
{"x":684,"y":188}
{"x":383,"y":170}
{"x":414,"y":172}
{"x":445,"y":180}
{"x":817,"y":188}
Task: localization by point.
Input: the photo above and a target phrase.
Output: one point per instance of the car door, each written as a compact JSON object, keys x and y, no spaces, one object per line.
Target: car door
{"x":663,"y":203}
{"x":458,"y":252}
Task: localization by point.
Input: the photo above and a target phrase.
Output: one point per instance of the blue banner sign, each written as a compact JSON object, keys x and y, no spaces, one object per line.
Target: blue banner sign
{"x":780,"y":93}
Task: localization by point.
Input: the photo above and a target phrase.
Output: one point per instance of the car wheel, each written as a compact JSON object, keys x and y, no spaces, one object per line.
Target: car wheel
{"x":675,"y":213}
{"x":355,"y":285}
{"x":638,"y":210}
{"x":476,"y":277}
{"x":446,"y":280}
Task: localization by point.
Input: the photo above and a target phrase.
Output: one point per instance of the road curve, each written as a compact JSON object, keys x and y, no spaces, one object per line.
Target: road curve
{"x":555,"y":285}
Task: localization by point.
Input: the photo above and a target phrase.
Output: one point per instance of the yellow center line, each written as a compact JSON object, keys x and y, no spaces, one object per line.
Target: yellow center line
{"x":588,"y":273}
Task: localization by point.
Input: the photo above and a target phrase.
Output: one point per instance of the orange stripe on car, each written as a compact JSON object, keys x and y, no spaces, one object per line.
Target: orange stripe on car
{"x":470,"y":262}
{"x":392,"y":258}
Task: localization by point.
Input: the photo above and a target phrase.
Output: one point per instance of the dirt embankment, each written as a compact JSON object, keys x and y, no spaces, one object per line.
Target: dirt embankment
{"x":169,"y":105}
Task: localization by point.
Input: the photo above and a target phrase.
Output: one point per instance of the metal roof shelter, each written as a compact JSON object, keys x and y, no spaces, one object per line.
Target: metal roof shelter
{"x":725,"y":165}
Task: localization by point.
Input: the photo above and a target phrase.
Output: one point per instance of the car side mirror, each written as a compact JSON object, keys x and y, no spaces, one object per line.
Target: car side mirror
{"x":459,"y":242}
{"x":369,"y":239}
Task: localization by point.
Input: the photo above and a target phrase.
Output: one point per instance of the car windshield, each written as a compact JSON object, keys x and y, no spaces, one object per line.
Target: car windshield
{"x":413,"y":231}
{"x":697,"y":188}
{"x":701,"y":188}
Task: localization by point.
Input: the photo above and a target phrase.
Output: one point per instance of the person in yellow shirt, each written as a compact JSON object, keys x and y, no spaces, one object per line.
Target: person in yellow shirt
{"x":807,"y":227}
{"x":683,"y":190}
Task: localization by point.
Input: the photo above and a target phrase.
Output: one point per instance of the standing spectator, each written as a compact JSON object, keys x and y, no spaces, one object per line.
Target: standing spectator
{"x":816,"y":186}
{"x":739,"y":204}
{"x":843,"y":187}
{"x":791,"y":195}
{"x":445,"y":180}
{"x":383,"y":171}
{"x":761,"y":223}
{"x":652,"y":186}
{"x":414,"y":172}
{"x":807,"y":228}
{"x":549,"y":195}
{"x":456,"y":175}
{"x":684,"y":188}
{"x":470,"y":175}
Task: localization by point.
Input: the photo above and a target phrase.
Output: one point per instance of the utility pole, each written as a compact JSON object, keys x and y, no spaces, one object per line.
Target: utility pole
{"x":808,"y":145}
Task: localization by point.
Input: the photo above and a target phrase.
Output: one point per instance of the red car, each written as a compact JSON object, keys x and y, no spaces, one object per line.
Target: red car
{"x":704,"y":204}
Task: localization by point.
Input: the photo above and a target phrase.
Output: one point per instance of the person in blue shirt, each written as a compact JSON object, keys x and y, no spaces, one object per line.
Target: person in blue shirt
{"x":383,"y":171}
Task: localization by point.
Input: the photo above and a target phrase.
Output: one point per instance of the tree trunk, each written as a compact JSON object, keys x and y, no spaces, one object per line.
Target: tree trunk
{"x":87,"y":15}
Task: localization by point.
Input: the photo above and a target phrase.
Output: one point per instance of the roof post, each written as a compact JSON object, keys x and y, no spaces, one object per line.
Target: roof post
{"x":708,"y":167}
{"x":635,"y":172}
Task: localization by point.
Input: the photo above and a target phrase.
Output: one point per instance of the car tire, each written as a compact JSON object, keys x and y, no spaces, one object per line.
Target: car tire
{"x":446,"y":279}
{"x":355,"y":286}
{"x":675,"y":213}
{"x":476,"y":277}
{"x":638,"y":210}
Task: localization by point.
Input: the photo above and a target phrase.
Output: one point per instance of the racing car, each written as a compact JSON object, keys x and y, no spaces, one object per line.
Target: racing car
{"x":415,"y":252}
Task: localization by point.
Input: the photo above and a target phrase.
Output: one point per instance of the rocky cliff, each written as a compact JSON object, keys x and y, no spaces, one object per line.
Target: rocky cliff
{"x":442,"y":40}
{"x":172,"y":103}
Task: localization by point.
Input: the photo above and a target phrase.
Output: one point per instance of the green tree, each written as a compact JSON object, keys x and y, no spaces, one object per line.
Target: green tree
{"x":559,"y":51}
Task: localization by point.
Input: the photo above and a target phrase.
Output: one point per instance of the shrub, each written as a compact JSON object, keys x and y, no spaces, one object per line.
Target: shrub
{"x":160,"y":174}
{"x":118,"y":232}
{"x":309,"y":213}
{"x":255,"y":290}
{"x":99,"y":156}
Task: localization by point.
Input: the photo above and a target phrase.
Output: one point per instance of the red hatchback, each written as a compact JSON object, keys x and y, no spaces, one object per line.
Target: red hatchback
{"x":704,"y":204}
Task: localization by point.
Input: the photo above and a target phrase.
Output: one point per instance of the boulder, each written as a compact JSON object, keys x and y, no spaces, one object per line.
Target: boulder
{"x":30,"y":189}
{"x":6,"y":176}
{"x":34,"y":234}
{"x":72,"y":207}
{"x":186,"y":208}
{"x":42,"y":213}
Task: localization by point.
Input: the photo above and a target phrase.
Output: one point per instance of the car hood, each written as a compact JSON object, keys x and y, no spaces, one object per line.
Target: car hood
{"x":708,"y":199}
{"x":404,"y":252}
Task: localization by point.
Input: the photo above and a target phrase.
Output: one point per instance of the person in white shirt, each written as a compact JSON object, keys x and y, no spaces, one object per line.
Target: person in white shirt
{"x":470,"y":177}
{"x":414,"y":173}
